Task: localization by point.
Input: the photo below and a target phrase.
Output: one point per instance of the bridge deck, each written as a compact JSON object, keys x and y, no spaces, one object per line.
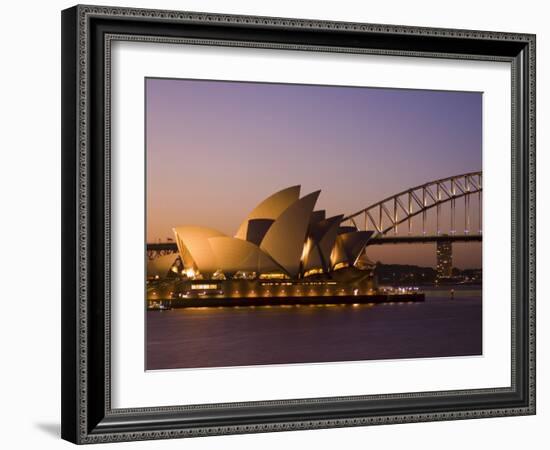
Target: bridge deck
{"x":171,"y":246}
{"x":424,"y":239}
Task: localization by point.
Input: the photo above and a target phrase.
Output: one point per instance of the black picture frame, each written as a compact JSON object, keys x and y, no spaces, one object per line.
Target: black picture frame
{"x":87,"y":415}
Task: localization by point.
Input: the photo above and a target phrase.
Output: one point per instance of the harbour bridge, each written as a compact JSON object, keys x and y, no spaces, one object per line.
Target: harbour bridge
{"x":442,"y":211}
{"x":425,"y":204}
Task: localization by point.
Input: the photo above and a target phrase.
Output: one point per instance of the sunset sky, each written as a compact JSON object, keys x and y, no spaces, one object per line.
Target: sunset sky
{"x":216,"y":149}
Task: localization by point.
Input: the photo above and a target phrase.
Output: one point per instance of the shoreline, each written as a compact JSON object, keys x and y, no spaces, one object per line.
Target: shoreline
{"x":206,"y":302}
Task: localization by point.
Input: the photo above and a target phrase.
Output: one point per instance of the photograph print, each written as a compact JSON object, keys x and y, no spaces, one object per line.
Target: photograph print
{"x":299,"y":224}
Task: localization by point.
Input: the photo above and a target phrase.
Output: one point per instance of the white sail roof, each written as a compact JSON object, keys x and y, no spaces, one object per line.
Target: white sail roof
{"x":161,"y":265}
{"x":233,"y":255}
{"x":321,"y":237}
{"x":194,"y":248}
{"x":349,"y":246}
{"x":270,"y":208}
{"x":285,"y":239}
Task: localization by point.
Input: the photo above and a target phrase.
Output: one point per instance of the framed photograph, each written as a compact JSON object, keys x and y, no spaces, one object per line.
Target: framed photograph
{"x":278,"y":224}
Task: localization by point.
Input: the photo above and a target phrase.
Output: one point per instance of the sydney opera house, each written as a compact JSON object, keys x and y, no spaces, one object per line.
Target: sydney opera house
{"x":284,"y":247}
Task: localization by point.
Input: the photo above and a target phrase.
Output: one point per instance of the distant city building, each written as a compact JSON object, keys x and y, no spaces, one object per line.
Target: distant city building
{"x":444,"y":267}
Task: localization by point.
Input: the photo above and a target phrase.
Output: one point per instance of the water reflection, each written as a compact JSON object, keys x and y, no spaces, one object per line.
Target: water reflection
{"x":229,"y":336}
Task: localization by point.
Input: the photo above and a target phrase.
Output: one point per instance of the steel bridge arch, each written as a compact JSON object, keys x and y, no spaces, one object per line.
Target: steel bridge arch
{"x":388,"y":214}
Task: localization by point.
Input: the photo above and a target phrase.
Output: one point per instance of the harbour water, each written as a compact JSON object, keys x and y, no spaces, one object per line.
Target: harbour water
{"x":446,"y":324}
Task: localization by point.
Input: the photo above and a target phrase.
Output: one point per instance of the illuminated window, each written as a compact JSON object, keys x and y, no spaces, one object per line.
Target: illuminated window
{"x":203,"y":287}
{"x":341,"y":265}
{"x":273,"y":276}
{"x":242,"y":275}
{"x":313,"y":272}
{"x":218,"y":275}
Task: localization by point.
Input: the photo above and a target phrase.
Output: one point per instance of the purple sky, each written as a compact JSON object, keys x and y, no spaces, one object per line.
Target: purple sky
{"x":216,"y":149}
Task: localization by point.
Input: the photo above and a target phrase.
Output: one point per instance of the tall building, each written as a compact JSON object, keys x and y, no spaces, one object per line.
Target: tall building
{"x":444,"y":267}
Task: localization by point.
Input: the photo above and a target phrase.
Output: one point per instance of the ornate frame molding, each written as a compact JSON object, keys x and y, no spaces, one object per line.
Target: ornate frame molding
{"x":80,"y":418}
